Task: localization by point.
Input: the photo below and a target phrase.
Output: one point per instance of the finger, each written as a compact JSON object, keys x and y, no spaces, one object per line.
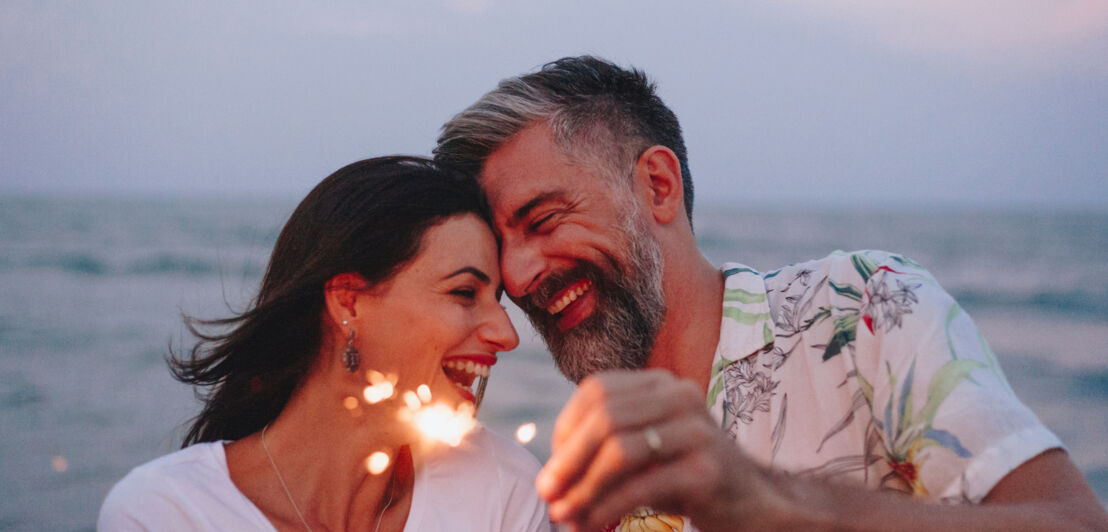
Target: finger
{"x":627,"y":400}
{"x":579,"y":447}
{"x":625,"y":454}
{"x":597,"y":388}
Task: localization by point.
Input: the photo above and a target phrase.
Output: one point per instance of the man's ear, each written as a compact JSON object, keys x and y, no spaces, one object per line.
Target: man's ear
{"x":340,"y":293}
{"x":660,"y":171}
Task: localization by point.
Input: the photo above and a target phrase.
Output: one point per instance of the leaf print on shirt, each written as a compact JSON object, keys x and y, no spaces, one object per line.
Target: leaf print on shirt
{"x":908,"y":432}
{"x":886,"y":306}
{"x":748,"y":390}
{"x":794,"y":315}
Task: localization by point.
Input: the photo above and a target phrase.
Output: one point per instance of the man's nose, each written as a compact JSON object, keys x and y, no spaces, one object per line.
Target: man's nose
{"x":521,"y":266}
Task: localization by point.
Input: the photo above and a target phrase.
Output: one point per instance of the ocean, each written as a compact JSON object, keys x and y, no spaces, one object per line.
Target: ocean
{"x":92,"y":292}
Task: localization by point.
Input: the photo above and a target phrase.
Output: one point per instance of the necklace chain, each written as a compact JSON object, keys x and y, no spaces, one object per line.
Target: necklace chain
{"x":282,"y":481}
{"x":265,"y":447}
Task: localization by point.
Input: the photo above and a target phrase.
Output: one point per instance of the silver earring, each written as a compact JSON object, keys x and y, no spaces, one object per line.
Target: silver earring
{"x":351,"y":359}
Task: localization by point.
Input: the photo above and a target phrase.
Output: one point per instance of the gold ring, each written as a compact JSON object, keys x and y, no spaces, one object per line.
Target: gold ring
{"x":653,"y":442}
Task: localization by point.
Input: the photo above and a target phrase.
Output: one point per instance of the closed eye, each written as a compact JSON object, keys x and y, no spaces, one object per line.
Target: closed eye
{"x":537,"y":225}
{"x":466,"y":293}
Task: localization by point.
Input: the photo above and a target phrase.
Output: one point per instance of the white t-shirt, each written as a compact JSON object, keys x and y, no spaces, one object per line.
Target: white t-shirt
{"x":484,"y":484}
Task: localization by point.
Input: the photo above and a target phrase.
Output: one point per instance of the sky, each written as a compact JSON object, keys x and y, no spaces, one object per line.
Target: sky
{"x":865,"y":103}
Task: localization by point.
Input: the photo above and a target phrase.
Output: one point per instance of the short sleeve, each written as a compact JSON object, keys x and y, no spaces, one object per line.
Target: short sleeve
{"x":951,"y":425}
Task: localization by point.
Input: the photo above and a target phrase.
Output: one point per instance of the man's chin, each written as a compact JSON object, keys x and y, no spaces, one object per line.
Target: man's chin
{"x":590,"y":347}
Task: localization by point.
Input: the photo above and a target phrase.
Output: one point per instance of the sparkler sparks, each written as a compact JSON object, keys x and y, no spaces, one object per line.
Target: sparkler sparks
{"x":375,"y":393}
{"x":438,"y":422}
{"x":377,"y":463}
{"x":441,"y":423}
{"x":412,"y":400}
{"x":526,"y":432}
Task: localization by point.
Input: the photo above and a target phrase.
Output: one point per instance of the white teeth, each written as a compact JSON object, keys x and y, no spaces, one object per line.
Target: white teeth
{"x":570,"y":297}
{"x":468,"y":366}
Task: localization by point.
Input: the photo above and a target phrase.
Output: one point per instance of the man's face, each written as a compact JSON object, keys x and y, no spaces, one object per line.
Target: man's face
{"x":577,"y":255}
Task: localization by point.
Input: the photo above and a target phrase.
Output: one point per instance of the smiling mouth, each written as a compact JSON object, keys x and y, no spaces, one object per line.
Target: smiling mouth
{"x":465,"y":369}
{"x":569,"y":295}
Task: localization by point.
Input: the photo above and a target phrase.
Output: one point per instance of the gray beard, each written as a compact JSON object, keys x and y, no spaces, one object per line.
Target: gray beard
{"x":630,"y":309}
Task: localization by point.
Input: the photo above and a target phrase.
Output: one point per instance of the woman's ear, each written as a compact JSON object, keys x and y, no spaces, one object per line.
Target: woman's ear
{"x":659,"y":171}
{"x":340,"y":293}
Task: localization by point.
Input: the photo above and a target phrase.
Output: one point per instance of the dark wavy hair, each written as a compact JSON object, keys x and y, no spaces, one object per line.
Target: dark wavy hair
{"x":367,"y":218}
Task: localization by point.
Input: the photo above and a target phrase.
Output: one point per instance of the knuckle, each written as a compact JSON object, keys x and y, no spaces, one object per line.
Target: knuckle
{"x":701,"y":465}
{"x":699,"y":434}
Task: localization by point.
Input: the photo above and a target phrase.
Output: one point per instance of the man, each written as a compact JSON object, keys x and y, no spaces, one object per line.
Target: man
{"x":821,"y":379}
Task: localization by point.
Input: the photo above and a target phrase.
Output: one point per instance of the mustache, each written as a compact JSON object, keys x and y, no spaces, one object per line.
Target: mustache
{"x":537,"y":301}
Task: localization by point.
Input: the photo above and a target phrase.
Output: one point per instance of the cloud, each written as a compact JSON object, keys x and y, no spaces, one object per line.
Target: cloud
{"x":1027,"y":32}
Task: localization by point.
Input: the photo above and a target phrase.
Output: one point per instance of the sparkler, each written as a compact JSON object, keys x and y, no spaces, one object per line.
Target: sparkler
{"x":481,"y":383}
{"x":435,"y":422}
{"x":441,"y":423}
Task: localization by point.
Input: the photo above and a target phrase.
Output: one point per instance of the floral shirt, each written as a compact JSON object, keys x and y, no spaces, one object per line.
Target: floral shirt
{"x":858,"y":367}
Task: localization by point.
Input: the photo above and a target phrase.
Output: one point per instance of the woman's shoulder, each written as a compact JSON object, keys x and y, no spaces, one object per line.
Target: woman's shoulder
{"x":199,"y":464}
{"x":181,"y":487}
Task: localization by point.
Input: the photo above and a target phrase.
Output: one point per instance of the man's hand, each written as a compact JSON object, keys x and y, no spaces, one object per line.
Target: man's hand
{"x":644,"y":438}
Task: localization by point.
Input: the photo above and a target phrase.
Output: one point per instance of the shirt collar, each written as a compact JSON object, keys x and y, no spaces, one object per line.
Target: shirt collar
{"x":745,"y":328}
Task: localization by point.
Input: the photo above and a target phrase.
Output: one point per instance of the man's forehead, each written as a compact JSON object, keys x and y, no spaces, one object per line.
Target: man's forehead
{"x":512,"y":198}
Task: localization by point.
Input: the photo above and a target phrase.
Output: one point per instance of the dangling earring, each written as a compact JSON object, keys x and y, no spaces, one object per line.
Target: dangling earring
{"x":351,"y":359}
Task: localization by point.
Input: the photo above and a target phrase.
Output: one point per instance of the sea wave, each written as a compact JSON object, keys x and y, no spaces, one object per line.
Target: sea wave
{"x":170,"y":263}
{"x":1078,"y":303}
{"x":161,"y":263}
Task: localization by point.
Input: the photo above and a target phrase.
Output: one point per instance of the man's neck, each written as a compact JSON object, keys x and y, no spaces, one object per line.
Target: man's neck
{"x":687,"y":341}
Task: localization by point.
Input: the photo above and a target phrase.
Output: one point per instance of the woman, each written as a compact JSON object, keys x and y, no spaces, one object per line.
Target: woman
{"x":387,"y":269}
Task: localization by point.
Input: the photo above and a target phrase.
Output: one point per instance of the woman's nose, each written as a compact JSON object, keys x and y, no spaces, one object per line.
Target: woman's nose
{"x":498,"y":329}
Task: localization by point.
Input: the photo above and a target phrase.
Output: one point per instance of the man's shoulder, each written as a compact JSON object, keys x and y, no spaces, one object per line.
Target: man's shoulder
{"x":844,"y":266}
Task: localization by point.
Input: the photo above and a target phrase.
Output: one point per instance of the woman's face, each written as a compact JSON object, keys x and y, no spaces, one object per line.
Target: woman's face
{"x":439,"y":321}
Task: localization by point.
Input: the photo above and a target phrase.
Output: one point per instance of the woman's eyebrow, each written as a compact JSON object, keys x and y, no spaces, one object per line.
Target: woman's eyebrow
{"x":484,"y":277}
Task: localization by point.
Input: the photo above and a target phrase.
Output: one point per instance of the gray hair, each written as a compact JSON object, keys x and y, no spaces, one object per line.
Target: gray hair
{"x":598,"y":113}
